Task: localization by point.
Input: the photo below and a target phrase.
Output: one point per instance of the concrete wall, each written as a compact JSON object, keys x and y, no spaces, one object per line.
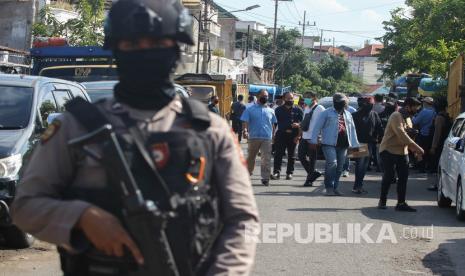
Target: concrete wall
{"x":228,"y":36}
{"x":366,"y":68}
{"x":16,"y":19}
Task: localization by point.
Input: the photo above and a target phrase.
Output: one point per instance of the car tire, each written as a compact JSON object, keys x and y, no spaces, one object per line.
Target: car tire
{"x":459,"y":212}
{"x":443,"y":202}
{"x":15,"y":238}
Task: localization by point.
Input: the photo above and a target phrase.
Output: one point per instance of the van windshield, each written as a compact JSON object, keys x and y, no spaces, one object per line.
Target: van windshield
{"x":202,"y":93}
{"x":15,"y":106}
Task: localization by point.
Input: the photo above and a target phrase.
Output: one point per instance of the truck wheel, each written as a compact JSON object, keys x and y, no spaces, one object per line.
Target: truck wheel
{"x":15,"y":238}
{"x":443,"y":202}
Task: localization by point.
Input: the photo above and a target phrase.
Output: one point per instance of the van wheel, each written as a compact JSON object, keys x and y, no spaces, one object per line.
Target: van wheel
{"x":443,"y":202}
{"x":459,"y":202}
{"x":15,"y":238}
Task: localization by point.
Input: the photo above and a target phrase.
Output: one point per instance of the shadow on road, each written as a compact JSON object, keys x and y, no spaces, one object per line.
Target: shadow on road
{"x":425,"y":216}
{"x":439,"y":261}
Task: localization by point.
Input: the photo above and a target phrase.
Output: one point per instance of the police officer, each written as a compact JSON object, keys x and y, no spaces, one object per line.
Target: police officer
{"x":64,"y":196}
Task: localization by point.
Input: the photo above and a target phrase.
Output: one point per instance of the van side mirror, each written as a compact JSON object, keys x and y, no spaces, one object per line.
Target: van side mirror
{"x":51,"y":117}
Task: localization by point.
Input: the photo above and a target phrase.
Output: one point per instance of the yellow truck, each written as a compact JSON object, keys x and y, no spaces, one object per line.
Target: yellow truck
{"x":456,"y":88}
{"x":204,"y":86}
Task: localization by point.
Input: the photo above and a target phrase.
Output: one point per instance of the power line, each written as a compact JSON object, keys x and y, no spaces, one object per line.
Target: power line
{"x":362,"y":9}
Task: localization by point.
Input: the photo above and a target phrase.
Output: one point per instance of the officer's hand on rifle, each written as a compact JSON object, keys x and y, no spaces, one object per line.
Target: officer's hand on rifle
{"x":107,"y":234}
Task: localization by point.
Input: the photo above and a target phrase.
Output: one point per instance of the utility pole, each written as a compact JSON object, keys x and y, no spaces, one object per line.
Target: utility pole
{"x":276,"y":6}
{"x":248,"y":40}
{"x":305,"y":24}
{"x":198,"y":41}
{"x":321,"y":44}
{"x":205,"y":38}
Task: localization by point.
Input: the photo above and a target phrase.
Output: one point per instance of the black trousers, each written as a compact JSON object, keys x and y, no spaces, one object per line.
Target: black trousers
{"x":237,"y":128}
{"x":393,"y":163}
{"x":284,"y":141}
{"x":304,"y":151}
{"x":425,"y":143}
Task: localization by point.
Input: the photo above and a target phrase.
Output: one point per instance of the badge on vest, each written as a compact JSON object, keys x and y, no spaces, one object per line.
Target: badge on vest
{"x":160,"y":154}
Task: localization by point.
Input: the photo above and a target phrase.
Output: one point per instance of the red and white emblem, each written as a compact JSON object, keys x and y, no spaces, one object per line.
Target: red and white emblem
{"x":160,"y":154}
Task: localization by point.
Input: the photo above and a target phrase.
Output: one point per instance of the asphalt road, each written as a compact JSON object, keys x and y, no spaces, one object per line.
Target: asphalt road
{"x":418,"y":250}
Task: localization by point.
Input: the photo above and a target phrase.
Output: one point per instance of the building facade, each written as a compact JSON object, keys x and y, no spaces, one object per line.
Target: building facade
{"x":364,"y":64}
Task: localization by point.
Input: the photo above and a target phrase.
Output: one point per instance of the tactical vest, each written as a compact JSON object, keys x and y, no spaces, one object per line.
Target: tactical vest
{"x":184,"y":160}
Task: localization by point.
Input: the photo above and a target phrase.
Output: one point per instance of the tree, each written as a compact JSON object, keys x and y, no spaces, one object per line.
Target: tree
{"x":426,"y":37}
{"x":86,"y":30}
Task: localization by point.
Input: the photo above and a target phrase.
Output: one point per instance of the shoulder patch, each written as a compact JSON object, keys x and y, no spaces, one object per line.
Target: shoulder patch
{"x":50,"y":131}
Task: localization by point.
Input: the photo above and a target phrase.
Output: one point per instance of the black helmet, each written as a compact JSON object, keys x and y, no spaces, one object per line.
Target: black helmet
{"x":131,"y":19}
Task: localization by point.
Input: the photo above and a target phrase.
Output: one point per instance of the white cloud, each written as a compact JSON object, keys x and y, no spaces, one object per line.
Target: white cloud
{"x":329,"y":6}
{"x":372,"y":16}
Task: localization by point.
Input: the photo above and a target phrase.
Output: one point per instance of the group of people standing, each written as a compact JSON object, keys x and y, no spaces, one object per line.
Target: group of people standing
{"x":385,"y":133}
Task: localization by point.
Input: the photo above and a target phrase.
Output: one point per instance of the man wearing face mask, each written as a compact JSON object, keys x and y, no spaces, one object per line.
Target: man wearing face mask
{"x":259,"y":123}
{"x":287,"y":136}
{"x":394,"y":151}
{"x":308,"y":156}
{"x":370,"y":132}
{"x":337,"y":135}
{"x":173,"y":146}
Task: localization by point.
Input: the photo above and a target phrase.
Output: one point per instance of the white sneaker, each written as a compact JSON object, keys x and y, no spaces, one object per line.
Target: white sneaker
{"x":345,"y":174}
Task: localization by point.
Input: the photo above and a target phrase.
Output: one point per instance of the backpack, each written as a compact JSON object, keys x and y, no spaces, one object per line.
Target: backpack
{"x":305,"y":124}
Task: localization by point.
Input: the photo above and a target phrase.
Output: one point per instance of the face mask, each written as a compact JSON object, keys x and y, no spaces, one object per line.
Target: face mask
{"x":339,"y":106}
{"x":308,"y":102}
{"x":289,"y":103}
{"x":263,"y":100}
{"x":145,"y":77}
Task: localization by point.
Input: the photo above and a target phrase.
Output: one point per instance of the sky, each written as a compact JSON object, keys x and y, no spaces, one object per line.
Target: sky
{"x":359,"y":20}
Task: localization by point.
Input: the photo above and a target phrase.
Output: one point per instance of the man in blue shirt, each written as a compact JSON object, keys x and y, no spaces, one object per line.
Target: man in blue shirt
{"x":424,"y":122}
{"x":259,"y":121}
{"x":289,"y":117}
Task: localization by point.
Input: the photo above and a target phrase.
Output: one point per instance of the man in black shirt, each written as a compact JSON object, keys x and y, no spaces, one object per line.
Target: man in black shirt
{"x":237,"y":109}
{"x":287,"y":136}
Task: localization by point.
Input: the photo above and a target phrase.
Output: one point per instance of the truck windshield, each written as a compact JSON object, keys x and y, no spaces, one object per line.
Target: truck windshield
{"x":15,"y":106}
{"x":202,"y":93}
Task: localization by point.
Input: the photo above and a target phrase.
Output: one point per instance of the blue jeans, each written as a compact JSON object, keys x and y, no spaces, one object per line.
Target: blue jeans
{"x":335,"y":159}
{"x":346,"y":164}
{"x":361,"y":166}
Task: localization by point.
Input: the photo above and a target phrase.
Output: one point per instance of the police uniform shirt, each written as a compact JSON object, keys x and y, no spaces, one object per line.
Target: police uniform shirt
{"x":39,"y":210}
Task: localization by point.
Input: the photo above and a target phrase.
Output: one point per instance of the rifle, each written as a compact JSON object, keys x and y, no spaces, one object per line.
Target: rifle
{"x":145,"y":221}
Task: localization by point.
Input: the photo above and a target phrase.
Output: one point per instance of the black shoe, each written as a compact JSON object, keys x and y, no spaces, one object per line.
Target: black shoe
{"x":275,"y":176}
{"x":356,"y":191}
{"x":403,"y":207}
{"x":382,"y":205}
{"x":289,"y":177}
{"x":314,"y":176}
{"x":308,"y":183}
{"x":266,"y":183}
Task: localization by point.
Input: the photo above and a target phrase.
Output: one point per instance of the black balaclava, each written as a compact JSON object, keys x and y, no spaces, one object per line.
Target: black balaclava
{"x":145,"y":81}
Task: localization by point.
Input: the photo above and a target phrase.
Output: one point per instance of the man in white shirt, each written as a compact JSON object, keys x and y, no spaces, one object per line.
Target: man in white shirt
{"x":308,"y":156}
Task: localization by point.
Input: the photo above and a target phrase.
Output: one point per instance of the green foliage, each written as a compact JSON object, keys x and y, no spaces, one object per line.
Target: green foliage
{"x":86,"y":30}
{"x":295,"y":68}
{"x":218,"y":52}
{"x":426,"y":39}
